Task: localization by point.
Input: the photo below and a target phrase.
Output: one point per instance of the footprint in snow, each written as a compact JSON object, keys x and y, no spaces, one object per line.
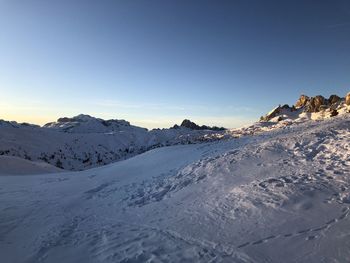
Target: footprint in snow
{"x":327,"y":225}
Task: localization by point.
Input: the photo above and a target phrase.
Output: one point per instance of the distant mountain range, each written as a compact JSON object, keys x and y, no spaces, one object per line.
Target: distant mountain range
{"x":84,"y":141}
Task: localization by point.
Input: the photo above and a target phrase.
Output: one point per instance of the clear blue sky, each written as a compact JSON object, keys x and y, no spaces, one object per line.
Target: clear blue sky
{"x":157,"y":62}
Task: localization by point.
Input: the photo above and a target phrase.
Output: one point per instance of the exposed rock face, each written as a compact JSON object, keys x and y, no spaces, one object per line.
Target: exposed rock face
{"x":334,"y":112}
{"x":65,"y":119}
{"x":271,"y":115}
{"x":347,"y":99}
{"x":302,"y":101}
{"x":191,"y":125}
{"x":305,"y":104}
{"x":277,"y":111}
{"x":333,"y":99}
{"x":316,"y":104}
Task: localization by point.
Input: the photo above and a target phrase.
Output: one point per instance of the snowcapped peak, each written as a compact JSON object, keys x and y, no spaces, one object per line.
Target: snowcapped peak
{"x":84,"y":117}
{"x":306,"y":108}
{"x":78,"y":118}
{"x":84,"y":123}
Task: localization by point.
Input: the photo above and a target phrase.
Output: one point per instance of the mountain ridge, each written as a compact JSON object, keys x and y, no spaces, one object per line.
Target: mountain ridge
{"x":83,"y":141}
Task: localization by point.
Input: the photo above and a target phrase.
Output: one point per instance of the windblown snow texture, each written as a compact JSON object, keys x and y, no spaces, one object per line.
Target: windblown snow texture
{"x":279,"y":195}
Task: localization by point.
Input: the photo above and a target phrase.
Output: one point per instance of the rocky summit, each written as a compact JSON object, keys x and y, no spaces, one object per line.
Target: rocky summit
{"x":317,"y":103}
{"x":317,"y":107}
{"x":347,"y":99}
{"x":193,"y":126}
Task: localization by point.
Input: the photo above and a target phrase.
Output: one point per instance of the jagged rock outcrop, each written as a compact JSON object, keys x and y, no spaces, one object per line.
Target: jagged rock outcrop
{"x":189,"y":124}
{"x":316,"y":104}
{"x":333,"y":99}
{"x":347,"y":99}
{"x":65,"y":119}
{"x":278,"y":111}
{"x":302,"y":101}
{"x":334,"y":112}
{"x":193,"y":126}
{"x":330,"y":107}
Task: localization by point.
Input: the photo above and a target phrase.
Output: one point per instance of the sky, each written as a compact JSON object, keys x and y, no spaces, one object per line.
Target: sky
{"x":156,"y":62}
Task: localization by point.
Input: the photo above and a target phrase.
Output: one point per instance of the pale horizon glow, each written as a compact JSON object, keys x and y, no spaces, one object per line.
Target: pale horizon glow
{"x":40,"y":115}
{"x":153,"y":123}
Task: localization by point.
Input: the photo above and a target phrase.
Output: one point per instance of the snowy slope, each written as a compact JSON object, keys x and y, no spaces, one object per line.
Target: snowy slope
{"x":83,"y":141}
{"x":278,"y":196}
{"x":10,"y":165}
{"x":86,"y":124}
{"x":283,"y":116}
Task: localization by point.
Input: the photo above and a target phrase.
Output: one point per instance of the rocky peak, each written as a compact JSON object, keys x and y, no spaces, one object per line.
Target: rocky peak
{"x":277,"y":112}
{"x":317,"y":103}
{"x":334,"y":99}
{"x":328,"y":107}
{"x":86,"y":123}
{"x":347,"y":99}
{"x":189,"y":124}
{"x":78,"y":118}
{"x":193,"y":126}
{"x":302,"y":101}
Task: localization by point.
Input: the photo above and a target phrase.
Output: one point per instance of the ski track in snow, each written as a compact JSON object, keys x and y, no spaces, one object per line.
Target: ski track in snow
{"x":253,"y":199}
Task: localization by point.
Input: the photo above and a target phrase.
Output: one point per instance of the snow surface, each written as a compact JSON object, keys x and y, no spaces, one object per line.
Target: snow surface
{"x":10,"y":165}
{"x":84,"y":142}
{"x":279,"y":196}
{"x":288,"y":117}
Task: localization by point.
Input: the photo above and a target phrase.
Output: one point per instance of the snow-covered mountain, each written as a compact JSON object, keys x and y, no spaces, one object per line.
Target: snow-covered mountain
{"x":87,"y":124}
{"x":280,"y":195}
{"x":306,"y":109}
{"x":83,"y":141}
